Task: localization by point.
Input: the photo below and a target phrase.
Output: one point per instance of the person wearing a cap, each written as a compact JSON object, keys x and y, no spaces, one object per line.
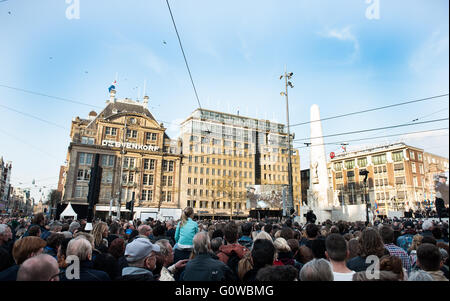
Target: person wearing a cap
{"x":141,"y":258}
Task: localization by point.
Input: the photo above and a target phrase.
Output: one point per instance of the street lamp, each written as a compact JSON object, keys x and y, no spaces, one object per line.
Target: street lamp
{"x":288,"y":83}
{"x":365,"y":173}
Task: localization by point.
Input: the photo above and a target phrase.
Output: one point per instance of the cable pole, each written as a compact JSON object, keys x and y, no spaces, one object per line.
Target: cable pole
{"x":122,"y":152}
{"x":290,"y":201}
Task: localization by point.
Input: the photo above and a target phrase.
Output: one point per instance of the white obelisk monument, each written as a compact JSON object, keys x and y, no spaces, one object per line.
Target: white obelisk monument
{"x":319,"y":199}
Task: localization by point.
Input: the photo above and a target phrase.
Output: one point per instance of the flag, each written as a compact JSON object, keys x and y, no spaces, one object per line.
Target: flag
{"x":376,"y":208}
{"x":113,"y":86}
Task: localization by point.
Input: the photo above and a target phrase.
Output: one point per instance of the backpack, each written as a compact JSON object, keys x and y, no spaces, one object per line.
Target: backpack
{"x":233,"y":262}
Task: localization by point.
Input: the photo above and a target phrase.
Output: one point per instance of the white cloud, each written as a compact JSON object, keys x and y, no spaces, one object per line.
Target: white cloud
{"x":344,"y":35}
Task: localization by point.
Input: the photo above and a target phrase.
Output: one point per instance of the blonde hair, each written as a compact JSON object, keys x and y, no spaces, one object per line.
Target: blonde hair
{"x":187,"y":213}
{"x":264,"y":235}
{"x":277,"y":234}
{"x":416,"y":242}
{"x":87,"y":236}
{"x":97,"y":232}
{"x":281,"y":245}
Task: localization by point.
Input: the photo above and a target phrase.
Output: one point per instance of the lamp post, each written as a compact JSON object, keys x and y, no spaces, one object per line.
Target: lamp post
{"x":288,"y":83}
{"x":365,"y":173}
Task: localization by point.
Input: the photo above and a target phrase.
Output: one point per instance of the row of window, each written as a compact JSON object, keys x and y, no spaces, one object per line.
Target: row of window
{"x":220,"y":172}
{"x":213,"y":193}
{"x":214,"y":182}
{"x":149,"y":136}
{"x":207,"y":160}
{"x":214,"y":205}
{"x":148,"y":164}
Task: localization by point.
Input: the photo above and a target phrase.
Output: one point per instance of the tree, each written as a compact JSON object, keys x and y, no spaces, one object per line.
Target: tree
{"x":53,"y":198}
{"x":225,"y":189}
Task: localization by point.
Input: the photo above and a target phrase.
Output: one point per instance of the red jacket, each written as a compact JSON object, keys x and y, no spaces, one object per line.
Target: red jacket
{"x":225,"y":251}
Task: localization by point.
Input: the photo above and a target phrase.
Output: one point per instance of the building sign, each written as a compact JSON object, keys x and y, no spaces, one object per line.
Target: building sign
{"x":153,"y":148}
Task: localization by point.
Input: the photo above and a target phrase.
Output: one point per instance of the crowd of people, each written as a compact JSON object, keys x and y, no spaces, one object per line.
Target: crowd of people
{"x":38,"y":249}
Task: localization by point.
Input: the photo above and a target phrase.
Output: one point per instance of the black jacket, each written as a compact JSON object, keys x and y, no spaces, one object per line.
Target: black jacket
{"x":204,"y":268}
{"x":87,"y":273}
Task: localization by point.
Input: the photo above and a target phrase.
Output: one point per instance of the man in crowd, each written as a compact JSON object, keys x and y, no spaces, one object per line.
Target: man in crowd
{"x":387,"y":234}
{"x":429,"y":260}
{"x":81,"y":249}
{"x":232,"y":252}
{"x":245,"y":239}
{"x":169,"y":269}
{"x":141,"y":258}
{"x":42,"y":267}
{"x":203,"y":267}
{"x":337,"y":252}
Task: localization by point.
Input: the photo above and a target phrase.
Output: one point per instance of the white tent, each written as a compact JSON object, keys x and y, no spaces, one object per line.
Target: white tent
{"x":68,"y":212}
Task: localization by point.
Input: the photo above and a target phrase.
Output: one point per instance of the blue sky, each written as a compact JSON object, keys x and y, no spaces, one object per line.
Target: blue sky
{"x":237,"y":50}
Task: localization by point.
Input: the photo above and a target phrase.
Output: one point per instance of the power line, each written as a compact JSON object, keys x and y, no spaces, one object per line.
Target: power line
{"x":373,"y":109}
{"x":31,"y":145}
{"x":34,"y":117}
{"x":182,"y":50}
{"x":50,"y":96}
{"x":374,"y":129}
{"x":379,"y":137}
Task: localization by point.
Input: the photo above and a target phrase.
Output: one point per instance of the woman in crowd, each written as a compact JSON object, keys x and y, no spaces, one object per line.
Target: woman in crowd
{"x":370,"y":244}
{"x":100,"y":232}
{"x":184,"y":234}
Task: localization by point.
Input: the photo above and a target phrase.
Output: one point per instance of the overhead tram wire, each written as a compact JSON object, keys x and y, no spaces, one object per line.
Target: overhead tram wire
{"x":184,"y":55}
{"x":379,"y":137}
{"x":371,"y":110}
{"x":34,"y":117}
{"x":330,"y":143}
{"x":374,"y":129}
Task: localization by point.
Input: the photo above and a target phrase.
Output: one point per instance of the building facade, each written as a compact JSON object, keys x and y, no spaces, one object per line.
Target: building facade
{"x":434,"y":166}
{"x":396,"y":180}
{"x":5,"y":186}
{"x":140,"y":162}
{"x":225,"y":154}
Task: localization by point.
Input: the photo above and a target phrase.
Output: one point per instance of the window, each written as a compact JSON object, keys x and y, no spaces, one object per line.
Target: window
{"x":85,"y":159}
{"x":411,"y":155}
{"x":415,"y":181}
{"x":400,"y":180}
{"x":87,"y":140}
{"x":147,"y":179}
{"x":379,"y":159}
{"x":339,"y":175}
{"x":111,"y":131}
{"x":350,"y":164}
{"x":397,"y":156}
{"x":107,"y":177}
{"x":399,"y":166}
{"x":413,"y":166}
{"x":151,"y":136}
{"x":421,"y":168}
{"x":362,"y":162}
{"x":107,"y":161}
{"x":149,"y":164}
{"x":338,"y":166}
{"x":351,"y":176}
{"x":83,"y":175}
{"x":81,"y":191}
{"x":419,"y":156}
{"x":131,"y":134}
{"x":129,"y":162}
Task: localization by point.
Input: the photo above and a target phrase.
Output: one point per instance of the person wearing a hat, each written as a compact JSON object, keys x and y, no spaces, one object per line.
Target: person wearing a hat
{"x":141,"y":258}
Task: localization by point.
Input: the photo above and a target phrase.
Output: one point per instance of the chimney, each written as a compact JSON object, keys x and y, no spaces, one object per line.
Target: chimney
{"x":145,"y":102}
{"x":112,"y":96}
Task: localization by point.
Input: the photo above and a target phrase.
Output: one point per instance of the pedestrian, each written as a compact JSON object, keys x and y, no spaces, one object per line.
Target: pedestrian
{"x":337,"y":253}
{"x":184,"y":234}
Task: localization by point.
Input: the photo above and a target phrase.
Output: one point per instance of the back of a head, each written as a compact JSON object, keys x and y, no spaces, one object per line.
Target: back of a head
{"x":217,"y":233}
{"x":263,"y":252}
{"x":294,"y":245}
{"x":312,"y":230}
{"x":287,"y":233}
{"x":216,"y":243}
{"x":420,"y":275}
{"x":80,"y":247}
{"x":371,"y":243}
{"x":427,"y":225}
{"x":231,"y":233}
{"x":159,"y":230}
{"x":392,"y":264}
{"x":114,"y":228}
{"x":336,"y":247}
{"x":428,"y":257}
{"x":277,"y":273}
{"x":201,"y":243}
{"x":25,"y":247}
{"x":34,"y":230}
{"x":387,"y":234}
{"x":38,"y":268}
{"x":264,"y":235}
{"x":318,"y":248}
{"x":429,"y":240}
{"x":247,"y":229}
{"x":268,"y":228}
{"x":117,"y":248}
{"x":317,"y":270}
{"x":38,"y":219}
{"x":281,"y":245}
{"x":55,"y":240}
{"x":185,"y":215}
{"x":382,"y":276}
{"x":74,"y":226}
